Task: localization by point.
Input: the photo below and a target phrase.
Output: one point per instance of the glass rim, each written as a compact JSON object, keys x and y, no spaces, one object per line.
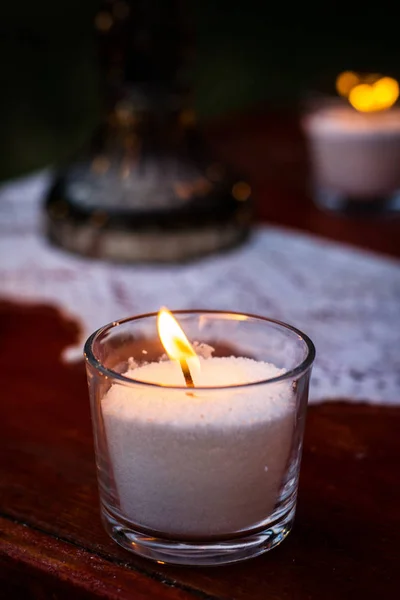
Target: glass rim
{"x":301,"y":368}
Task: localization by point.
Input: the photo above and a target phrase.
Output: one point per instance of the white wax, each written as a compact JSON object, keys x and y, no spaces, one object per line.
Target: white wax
{"x":340,"y":120}
{"x":355,"y":154}
{"x":200,"y":465}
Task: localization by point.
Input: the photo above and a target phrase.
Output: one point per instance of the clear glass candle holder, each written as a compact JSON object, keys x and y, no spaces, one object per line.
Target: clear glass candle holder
{"x":353,"y":158}
{"x":205,"y":475}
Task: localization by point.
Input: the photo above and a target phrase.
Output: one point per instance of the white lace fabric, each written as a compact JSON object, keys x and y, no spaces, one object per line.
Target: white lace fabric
{"x":346,"y":300}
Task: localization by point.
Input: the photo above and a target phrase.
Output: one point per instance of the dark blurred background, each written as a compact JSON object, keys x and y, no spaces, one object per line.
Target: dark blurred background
{"x":249,"y":53}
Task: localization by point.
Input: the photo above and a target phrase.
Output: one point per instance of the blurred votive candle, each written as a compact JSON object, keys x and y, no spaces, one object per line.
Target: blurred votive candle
{"x":354,"y":146}
{"x":198,"y":455}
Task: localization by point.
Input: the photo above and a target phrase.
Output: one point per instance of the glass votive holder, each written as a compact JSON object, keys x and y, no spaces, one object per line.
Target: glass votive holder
{"x":205,"y":475}
{"x":354,"y":158}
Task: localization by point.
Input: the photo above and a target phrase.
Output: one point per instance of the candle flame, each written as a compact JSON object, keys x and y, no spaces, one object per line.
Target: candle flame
{"x":175,"y":343}
{"x":370,"y":93}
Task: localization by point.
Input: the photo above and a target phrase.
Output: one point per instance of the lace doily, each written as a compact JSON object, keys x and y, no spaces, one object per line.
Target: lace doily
{"x":346,"y":300}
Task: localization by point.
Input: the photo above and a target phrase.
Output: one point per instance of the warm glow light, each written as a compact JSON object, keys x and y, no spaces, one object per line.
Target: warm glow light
{"x":368,"y":93}
{"x":386,"y":91}
{"x":379,"y":96}
{"x":361,"y":97}
{"x":173,"y":338}
{"x":345,"y":82}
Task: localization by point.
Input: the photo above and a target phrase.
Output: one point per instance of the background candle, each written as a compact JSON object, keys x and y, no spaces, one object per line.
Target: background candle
{"x":353,"y":153}
{"x":200,"y":464}
{"x":355,"y":147}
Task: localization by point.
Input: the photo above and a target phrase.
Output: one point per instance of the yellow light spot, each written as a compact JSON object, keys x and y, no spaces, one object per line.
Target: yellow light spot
{"x":378,"y":96}
{"x":345,"y":82}
{"x":361,"y":97}
{"x":241,"y":191}
{"x":103,"y":21}
{"x":386,"y":92}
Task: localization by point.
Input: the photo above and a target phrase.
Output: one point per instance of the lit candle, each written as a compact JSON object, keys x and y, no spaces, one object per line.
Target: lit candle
{"x":198,"y":455}
{"x":204,"y":465}
{"x":355,"y":148}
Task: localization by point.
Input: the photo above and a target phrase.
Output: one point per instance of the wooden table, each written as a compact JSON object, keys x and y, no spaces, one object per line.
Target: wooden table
{"x":345,"y":543}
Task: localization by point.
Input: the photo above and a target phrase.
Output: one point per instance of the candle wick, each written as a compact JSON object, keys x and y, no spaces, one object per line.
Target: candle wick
{"x":186,"y":373}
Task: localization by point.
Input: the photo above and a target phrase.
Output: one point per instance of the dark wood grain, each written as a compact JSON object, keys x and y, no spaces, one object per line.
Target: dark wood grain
{"x":35,"y":564}
{"x":52,"y":544}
